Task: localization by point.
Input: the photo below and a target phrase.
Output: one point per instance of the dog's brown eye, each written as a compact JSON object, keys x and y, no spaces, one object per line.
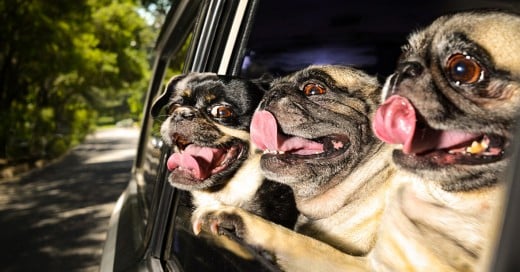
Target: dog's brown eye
{"x":221,"y":112}
{"x":313,"y":89}
{"x":464,"y":69}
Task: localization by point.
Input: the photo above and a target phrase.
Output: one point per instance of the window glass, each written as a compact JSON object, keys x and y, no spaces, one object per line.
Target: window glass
{"x":286,"y":37}
{"x":152,"y":154}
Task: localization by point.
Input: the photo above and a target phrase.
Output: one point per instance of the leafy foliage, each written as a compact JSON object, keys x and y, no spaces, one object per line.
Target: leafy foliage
{"x":158,"y":7}
{"x":63,"y":64}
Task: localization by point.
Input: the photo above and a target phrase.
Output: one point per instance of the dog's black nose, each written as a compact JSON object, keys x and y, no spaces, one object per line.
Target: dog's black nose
{"x":410,"y":69}
{"x":184,"y":113}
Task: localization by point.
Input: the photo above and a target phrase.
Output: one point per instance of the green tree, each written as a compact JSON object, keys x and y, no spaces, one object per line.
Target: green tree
{"x":61,"y":64}
{"x":159,"y":8}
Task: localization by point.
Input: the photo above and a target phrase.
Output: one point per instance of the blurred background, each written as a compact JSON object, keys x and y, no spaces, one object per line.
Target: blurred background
{"x":73,"y":79}
{"x":67,"y":67}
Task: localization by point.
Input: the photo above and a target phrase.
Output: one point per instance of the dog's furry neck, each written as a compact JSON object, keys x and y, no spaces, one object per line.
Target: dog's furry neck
{"x":451,"y":229}
{"x":354,"y":185}
{"x":353,"y":207}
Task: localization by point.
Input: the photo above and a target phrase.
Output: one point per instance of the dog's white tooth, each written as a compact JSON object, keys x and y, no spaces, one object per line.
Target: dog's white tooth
{"x":485,"y":143}
{"x":280,"y":152}
{"x":461,"y":150}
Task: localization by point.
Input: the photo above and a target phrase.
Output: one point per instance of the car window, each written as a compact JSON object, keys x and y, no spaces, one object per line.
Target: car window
{"x":149,"y":166}
{"x":152,"y":156}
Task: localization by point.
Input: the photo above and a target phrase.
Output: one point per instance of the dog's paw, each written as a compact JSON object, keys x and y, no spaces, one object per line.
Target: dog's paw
{"x":220,"y":221}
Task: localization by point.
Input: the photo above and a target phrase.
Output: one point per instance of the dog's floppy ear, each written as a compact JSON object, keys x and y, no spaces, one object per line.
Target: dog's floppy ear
{"x":163,"y":99}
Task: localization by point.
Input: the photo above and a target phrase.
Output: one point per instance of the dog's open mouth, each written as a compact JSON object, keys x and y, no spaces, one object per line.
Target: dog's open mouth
{"x":396,"y":122}
{"x":267,"y":137}
{"x":201,"y":162}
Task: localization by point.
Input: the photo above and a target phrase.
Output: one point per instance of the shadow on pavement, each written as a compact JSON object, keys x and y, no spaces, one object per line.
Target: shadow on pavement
{"x":55,"y":219}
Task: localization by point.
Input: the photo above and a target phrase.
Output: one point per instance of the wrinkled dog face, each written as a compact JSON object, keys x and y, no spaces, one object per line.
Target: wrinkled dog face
{"x":207,"y":127}
{"x":454,"y":98}
{"x":314,"y":125}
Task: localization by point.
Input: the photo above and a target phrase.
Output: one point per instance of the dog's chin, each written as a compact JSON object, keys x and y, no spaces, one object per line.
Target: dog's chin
{"x":216,"y":174}
{"x":184,"y":180}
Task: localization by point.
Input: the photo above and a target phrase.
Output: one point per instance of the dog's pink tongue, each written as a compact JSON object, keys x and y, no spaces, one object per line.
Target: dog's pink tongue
{"x":199,"y":160}
{"x":264,"y":134}
{"x":264,"y":131}
{"x":395,"y":123}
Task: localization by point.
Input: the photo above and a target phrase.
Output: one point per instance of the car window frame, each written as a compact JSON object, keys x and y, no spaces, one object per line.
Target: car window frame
{"x":504,"y":255}
{"x":179,"y":24}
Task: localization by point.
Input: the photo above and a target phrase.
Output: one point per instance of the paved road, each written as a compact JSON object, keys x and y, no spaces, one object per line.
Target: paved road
{"x":55,"y":219}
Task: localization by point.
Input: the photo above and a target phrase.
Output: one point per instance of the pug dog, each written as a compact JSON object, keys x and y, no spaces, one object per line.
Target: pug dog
{"x":207,"y":126}
{"x":451,"y":106}
{"x":314,"y":128}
